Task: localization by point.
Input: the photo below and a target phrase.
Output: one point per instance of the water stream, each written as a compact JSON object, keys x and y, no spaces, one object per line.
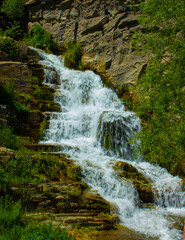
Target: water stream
{"x":89,"y":113}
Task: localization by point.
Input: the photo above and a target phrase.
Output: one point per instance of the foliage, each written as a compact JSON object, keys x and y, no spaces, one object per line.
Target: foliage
{"x":8,"y":46}
{"x":12,"y":227}
{"x":7,"y":138}
{"x":42,"y":39}
{"x":30,"y":167}
{"x":73,"y":56}
{"x":37,"y":92}
{"x":14,"y":9}
{"x":7,"y":97}
{"x":10,"y":219}
{"x":161,"y":87}
{"x":14,"y":31}
{"x":45,"y":232}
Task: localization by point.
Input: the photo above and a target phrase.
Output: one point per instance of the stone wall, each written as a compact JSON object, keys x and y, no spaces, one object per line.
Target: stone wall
{"x":104,"y":29}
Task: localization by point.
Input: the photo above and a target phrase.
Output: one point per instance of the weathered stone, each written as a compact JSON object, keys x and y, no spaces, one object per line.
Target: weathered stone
{"x":6,"y":155}
{"x":98,"y":26}
{"x":140,"y":182}
{"x":17,"y":73}
{"x":104,"y":28}
{"x":33,"y":117}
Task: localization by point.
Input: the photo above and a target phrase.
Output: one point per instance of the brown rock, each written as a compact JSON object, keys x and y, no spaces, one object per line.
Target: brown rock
{"x":6,"y":155}
{"x":142,"y":185}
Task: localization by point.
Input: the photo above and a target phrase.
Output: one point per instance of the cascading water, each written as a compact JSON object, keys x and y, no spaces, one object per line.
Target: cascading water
{"x":94,"y":129}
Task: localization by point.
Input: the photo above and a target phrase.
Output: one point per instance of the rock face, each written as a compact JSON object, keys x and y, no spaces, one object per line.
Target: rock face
{"x":114,"y":133}
{"x":60,"y":196}
{"x":25,"y":76}
{"x":102,"y":27}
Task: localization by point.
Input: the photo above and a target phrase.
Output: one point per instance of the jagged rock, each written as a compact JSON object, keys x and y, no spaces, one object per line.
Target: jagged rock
{"x":140,"y":182}
{"x":97,"y":26}
{"x":18,"y":73}
{"x":104,"y":29}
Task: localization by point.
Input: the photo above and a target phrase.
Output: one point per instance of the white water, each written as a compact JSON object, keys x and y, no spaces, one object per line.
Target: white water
{"x":84,"y":101}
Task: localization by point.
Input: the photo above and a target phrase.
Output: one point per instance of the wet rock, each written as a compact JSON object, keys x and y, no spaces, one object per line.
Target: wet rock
{"x":114,"y":134}
{"x":140,"y":182}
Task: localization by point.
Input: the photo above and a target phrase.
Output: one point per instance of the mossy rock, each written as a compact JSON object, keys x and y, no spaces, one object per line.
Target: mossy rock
{"x":141,"y":184}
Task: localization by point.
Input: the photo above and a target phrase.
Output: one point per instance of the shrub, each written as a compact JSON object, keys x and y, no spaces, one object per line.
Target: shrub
{"x":7,"y":138}
{"x":14,"y":9}
{"x":7,"y":97}
{"x":8,"y":46}
{"x":45,"y":232}
{"x":73,"y":56}
{"x":42,"y":39}
{"x":14,"y":31}
{"x":10,"y":219}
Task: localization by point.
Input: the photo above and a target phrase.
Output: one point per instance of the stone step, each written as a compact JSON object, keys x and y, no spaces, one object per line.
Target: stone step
{"x":58,"y":154}
{"x":45,"y":147}
{"x":85,"y":219}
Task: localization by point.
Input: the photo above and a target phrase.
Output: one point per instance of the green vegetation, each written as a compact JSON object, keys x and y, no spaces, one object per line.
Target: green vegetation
{"x":14,"y":31}
{"x":8,"y":46}
{"x":8,"y":97}
{"x":161,"y":88}
{"x":7,"y":138}
{"x":73,"y":56}
{"x":30,"y":167}
{"x":10,"y":219}
{"x":14,"y":227}
{"x":41,"y":39}
{"x":14,"y":9}
{"x":37,"y":91}
{"x":45,"y":232}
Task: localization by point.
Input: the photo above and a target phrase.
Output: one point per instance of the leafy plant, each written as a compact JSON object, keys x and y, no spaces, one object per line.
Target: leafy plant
{"x":8,"y":46}
{"x":73,"y":56}
{"x":42,"y":39}
{"x":10,"y":219}
{"x":37,"y":92}
{"x":14,"y":31}
{"x":7,"y":138}
{"x":14,"y":9}
{"x":12,"y":227}
{"x":161,"y":87}
{"x":45,"y":232}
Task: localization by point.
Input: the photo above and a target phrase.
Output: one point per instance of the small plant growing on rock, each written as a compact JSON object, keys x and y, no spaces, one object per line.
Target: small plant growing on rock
{"x":9,"y":47}
{"x":7,"y":138}
{"x":14,"y":31}
{"x":73,"y":56}
{"x":42,"y":39}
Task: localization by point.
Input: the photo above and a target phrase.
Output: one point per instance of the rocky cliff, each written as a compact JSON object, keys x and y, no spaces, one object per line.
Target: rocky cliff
{"x":103,"y":28}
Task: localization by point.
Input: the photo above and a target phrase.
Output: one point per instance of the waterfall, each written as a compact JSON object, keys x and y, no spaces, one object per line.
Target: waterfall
{"x":95,"y":129}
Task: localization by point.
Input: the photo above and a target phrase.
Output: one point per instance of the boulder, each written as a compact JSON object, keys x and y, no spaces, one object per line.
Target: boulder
{"x":114,"y":134}
{"x":140,"y":182}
